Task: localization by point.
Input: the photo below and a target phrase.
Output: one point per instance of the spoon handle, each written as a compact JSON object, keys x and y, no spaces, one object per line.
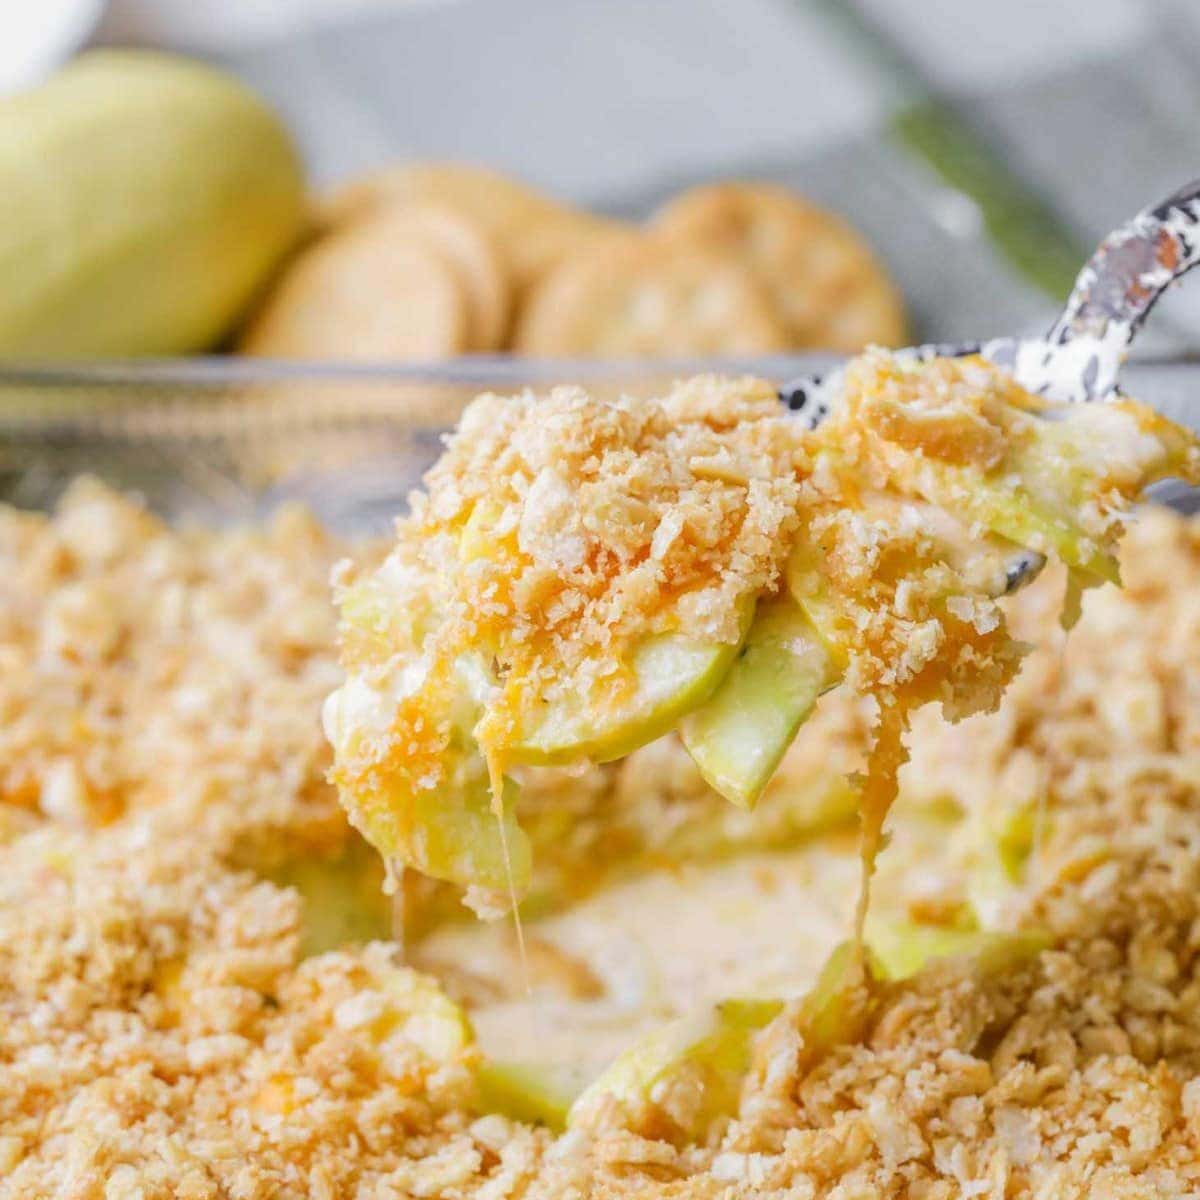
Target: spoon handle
{"x":1130,"y":269}
{"x":1080,"y":359}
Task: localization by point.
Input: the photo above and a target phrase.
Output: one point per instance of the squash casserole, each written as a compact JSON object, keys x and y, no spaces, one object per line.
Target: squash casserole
{"x":598,"y":625}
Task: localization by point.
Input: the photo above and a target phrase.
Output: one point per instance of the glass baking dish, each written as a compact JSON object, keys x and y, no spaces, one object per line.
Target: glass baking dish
{"x":221,"y":441}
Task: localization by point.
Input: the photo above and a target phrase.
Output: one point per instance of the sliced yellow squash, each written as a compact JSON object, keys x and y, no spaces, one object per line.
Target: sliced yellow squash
{"x":533,"y":1092}
{"x":449,"y":827}
{"x":671,"y":675}
{"x":902,"y":948}
{"x":343,"y":897}
{"x":713,"y":1044}
{"x":739,"y":736}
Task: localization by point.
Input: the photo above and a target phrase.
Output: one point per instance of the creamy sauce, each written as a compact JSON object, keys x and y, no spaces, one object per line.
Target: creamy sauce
{"x":615,"y":966}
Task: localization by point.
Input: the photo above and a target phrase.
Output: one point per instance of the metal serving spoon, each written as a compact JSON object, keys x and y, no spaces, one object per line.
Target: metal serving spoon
{"x":1080,"y":359}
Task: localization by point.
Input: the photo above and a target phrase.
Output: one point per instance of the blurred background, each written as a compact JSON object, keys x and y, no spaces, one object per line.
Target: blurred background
{"x":980,"y":148}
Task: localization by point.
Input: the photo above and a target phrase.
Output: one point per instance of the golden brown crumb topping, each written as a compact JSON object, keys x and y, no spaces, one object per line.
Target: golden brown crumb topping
{"x":158,"y":1037}
{"x":142,"y":667}
{"x":589,"y":525}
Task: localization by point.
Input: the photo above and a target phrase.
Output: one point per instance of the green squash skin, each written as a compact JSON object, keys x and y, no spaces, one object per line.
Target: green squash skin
{"x":739,"y":737}
{"x":676,"y":674}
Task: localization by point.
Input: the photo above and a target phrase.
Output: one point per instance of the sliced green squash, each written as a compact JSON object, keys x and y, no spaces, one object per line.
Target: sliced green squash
{"x":806,"y":585}
{"x":1010,"y":510}
{"x":449,"y":831}
{"x":342,"y":894}
{"x":739,"y":736}
{"x":833,"y":1013}
{"x":455,"y":835}
{"x":536,"y":1093}
{"x":1034,"y":496}
{"x":714,"y":1047}
{"x":902,"y":948}
{"x":672,"y":673}
{"x":715,"y":1043}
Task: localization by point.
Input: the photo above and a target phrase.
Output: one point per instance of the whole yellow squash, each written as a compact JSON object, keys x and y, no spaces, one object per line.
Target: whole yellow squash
{"x":144,"y":200}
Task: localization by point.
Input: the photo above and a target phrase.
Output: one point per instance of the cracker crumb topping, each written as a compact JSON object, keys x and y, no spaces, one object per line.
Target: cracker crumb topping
{"x":161,"y":1035}
{"x":610,"y":520}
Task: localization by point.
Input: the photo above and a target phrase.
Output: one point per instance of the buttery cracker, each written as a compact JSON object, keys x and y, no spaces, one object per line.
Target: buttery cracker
{"x":649,"y":297}
{"x":373,"y":290}
{"x":828,"y":289}
{"x":477,"y":262}
{"x":532,"y":231}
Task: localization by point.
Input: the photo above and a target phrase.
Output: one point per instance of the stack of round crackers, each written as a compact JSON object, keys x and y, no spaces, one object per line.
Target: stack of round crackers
{"x":429,"y":261}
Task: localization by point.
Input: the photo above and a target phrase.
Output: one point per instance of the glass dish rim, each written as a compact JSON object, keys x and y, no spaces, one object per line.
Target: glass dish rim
{"x":221,"y":398}
{"x":464,"y":371}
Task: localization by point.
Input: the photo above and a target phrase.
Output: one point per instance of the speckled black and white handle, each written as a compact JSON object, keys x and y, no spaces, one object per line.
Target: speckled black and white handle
{"x":1080,"y":359}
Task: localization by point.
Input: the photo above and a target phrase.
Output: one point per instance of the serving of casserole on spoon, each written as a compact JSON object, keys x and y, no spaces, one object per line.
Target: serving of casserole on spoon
{"x":582,"y":576}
